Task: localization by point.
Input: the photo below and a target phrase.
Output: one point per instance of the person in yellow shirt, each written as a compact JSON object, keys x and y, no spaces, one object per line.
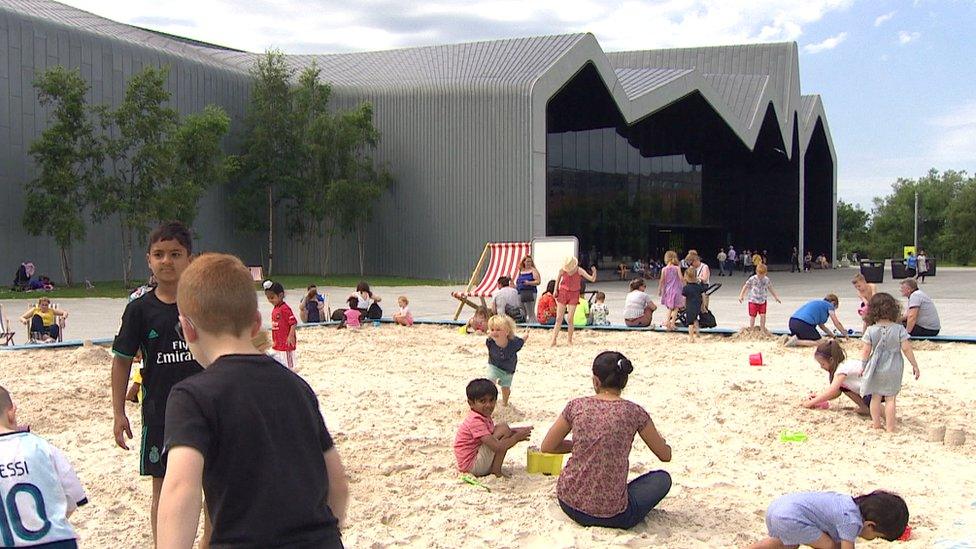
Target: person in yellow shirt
{"x":42,"y":320}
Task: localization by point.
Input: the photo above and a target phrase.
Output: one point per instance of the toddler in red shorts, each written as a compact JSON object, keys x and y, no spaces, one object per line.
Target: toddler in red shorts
{"x":759,"y":286}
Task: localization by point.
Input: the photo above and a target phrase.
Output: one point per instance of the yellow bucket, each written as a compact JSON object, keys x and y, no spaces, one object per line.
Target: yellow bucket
{"x":543,"y":463}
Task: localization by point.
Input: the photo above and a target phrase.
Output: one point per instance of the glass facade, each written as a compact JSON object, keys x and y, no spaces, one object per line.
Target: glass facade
{"x":605,"y":191}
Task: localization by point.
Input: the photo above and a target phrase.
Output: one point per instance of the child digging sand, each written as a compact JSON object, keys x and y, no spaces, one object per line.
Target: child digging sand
{"x":883,"y":344}
{"x":828,"y":520}
{"x":759,"y":286}
{"x":503,"y":347}
{"x":844,"y":377}
{"x":40,"y":485}
{"x":480,"y":445}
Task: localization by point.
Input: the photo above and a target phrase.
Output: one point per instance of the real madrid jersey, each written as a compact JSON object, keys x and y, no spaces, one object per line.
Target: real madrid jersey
{"x":38,"y":490}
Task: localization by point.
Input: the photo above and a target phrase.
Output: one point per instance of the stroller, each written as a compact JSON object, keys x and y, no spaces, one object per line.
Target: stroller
{"x":705,"y":318}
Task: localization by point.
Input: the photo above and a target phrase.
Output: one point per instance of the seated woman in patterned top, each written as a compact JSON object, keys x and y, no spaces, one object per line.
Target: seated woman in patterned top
{"x":593,"y":488}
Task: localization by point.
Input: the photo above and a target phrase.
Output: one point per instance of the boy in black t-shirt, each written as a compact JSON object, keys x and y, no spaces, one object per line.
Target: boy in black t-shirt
{"x":247,"y":430}
{"x":149,"y":325}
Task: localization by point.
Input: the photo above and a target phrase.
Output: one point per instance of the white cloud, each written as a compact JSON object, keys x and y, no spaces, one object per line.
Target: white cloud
{"x":828,"y":44}
{"x":955,"y":140}
{"x":905,"y":37}
{"x":323,"y":26}
{"x":882,"y":19}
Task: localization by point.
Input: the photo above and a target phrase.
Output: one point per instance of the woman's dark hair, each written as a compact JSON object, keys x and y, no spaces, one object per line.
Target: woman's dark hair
{"x":363,"y":286}
{"x":274,"y":287}
{"x":172,"y":230}
{"x":636,"y":284}
{"x":882,"y":306}
{"x":612,"y":369}
{"x":551,"y":287}
{"x":480,"y":388}
{"x":887,"y":511}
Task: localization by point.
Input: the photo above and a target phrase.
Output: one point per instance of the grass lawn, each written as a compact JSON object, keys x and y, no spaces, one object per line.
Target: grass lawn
{"x":115,"y":288}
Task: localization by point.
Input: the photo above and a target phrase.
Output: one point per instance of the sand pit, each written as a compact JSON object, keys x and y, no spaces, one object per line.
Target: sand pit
{"x":393,"y":398}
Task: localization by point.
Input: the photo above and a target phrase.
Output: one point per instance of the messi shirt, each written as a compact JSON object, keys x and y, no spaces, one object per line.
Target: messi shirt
{"x":39,"y":489}
{"x":149,"y":325}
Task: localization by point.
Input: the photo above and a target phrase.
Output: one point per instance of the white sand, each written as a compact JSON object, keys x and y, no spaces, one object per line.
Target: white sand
{"x":393,"y":398}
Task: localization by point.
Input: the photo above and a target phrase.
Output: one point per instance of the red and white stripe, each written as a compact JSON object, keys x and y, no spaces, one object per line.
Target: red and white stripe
{"x":505,"y":257}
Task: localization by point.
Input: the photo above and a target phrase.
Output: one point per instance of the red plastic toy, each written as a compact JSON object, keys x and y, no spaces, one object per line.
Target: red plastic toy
{"x":907,"y":534}
{"x":755,"y":359}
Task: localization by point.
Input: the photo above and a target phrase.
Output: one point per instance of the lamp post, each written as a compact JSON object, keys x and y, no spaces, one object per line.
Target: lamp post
{"x":915,"y":241}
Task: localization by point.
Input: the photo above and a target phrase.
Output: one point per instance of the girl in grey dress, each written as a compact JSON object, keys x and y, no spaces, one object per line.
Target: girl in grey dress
{"x":884,"y":342}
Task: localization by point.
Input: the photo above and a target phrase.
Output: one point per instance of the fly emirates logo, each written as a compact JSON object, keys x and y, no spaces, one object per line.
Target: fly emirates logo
{"x":180,"y":353}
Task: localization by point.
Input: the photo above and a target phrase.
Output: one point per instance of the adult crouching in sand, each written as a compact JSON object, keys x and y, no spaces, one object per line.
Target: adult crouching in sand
{"x":806,"y":319}
{"x":593,"y":488}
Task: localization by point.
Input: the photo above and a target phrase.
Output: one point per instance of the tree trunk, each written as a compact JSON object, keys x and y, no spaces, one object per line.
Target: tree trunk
{"x":65,"y":266}
{"x":270,"y":230}
{"x":361,"y":244}
{"x":126,"y":262}
{"x":327,"y":246}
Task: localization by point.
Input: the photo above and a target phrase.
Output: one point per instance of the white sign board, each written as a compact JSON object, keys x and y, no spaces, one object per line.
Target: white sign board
{"x":550,"y":253}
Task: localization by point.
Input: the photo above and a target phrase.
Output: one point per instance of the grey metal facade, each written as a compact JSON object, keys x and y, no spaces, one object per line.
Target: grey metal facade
{"x":463,"y":127}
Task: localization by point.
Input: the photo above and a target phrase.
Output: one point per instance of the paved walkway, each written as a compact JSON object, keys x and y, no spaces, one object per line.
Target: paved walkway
{"x":954,"y":291}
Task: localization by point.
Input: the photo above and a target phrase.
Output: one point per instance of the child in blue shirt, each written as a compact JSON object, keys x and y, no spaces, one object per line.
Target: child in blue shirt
{"x":825,"y":520}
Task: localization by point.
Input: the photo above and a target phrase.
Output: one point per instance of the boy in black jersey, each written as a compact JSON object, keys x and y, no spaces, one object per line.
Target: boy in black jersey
{"x":247,"y":431}
{"x":149,"y":325}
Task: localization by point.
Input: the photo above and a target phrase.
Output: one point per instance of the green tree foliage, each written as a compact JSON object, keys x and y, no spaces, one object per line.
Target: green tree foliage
{"x":68,"y":156}
{"x":312,"y":162}
{"x":158,"y":166}
{"x":960,"y":237}
{"x":270,"y":161}
{"x":892,"y":219}
{"x":947,"y":219}
{"x":852,"y":228}
{"x":359,"y":182}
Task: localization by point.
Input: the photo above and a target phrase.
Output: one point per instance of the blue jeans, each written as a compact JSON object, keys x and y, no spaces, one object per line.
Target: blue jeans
{"x":643,"y":494}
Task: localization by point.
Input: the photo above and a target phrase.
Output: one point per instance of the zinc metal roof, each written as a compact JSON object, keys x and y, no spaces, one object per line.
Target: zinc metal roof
{"x":739,"y":80}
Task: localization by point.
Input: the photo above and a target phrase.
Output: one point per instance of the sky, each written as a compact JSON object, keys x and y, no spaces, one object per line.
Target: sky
{"x":896,"y":77}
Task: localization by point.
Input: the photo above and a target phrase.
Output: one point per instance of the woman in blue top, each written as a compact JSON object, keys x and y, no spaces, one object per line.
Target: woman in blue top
{"x":527,"y":284}
{"x":806,"y":319}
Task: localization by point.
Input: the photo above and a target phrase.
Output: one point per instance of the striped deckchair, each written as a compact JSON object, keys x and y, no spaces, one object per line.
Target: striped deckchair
{"x":7,"y":332}
{"x":505,"y":257}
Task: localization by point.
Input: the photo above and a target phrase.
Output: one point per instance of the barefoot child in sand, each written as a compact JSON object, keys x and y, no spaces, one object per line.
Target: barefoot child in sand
{"x":828,"y":520}
{"x":480,"y":445}
{"x":283,"y":324}
{"x":403,"y":316}
{"x":503,"y":347}
{"x":758,"y":286}
{"x":844,"y":377}
{"x":478,"y":323}
{"x":568,"y":294}
{"x":669,"y":288}
{"x":149,"y":324}
{"x":39,"y":483}
{"x":245,"y":432}
{"x":883,"y":343}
